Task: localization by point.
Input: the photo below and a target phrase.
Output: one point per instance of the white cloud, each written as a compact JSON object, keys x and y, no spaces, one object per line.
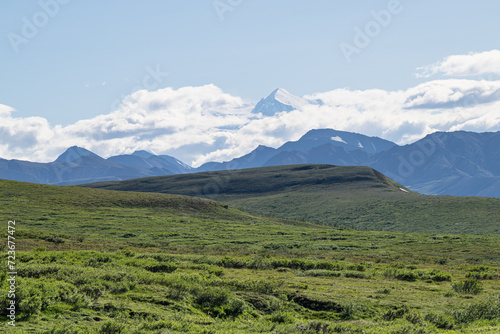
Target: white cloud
{"x":21,"y":137}
{"x":472,"y":64}
{"x":6,"y":110}
{"x":452,"y":93}
{"x":201,"y":124}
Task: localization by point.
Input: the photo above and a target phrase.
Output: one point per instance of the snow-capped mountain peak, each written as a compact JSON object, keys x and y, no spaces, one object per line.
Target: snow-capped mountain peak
{"x":283,"y":96}
{"x":279,"y":100}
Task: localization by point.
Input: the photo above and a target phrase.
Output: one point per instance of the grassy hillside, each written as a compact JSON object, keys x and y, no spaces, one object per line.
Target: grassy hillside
{"x":352,"y":197}
{"x":97,"y":261}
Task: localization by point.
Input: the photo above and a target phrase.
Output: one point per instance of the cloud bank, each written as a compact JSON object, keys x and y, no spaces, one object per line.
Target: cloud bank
{"x":201,"y":124}
{"x":472,"y":64}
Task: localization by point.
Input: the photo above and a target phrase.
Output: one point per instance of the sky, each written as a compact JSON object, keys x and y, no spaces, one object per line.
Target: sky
{"x":181,"y":77}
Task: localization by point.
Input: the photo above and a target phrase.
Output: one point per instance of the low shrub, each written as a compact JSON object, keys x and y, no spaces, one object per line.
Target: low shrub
{"x":397,"y":313}
{"x":93,"y":291}
{"x":482,"y":275}
{"x":357,"y":274}
{"x":415,"y":317}
{"x":79,"y":301}
{"x":321,"y":273}
{"x":314,"y":327}
{"x":211,"y":300}
{"x":162,"y":268}
{"x":38,"y":270}
{"x":384,"y":291}
{"x":282,"y":318}
{"x":232,"y":262}
{"x":179,"y":290}
{"x":487,"y":309}
{"x":440,"y":320}
{"x":356,"y":267}
{"x":260,"y":263}
{"x":406,"y":275}
{"x":414,"y":275}
{"x":112,"y":327}
{"x":350,"y":309}
{"x":470,"y":286}
{"x":481,"y":268}
{"x":35,"y":296}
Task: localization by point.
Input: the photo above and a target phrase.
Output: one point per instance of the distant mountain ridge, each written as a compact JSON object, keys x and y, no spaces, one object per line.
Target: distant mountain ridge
{"x":350,"y":148}
{"x":443,"y":163}
{"x":78,"y":165}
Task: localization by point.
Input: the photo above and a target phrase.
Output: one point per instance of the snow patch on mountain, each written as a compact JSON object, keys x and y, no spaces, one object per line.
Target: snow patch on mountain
{"x":338,"y":139}
{"x":283,"y":96}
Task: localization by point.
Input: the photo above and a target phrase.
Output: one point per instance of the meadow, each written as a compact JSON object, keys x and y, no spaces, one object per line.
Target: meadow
{"x":100,"y":261}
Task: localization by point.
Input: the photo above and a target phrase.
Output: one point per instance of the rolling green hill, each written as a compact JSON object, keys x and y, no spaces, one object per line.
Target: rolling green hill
{"x":352,"y":197}
{"x":99,"y":261}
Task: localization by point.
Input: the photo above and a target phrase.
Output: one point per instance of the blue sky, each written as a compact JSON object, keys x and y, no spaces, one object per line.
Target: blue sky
{"x":87,"y":56}
{"x":259,"y":46}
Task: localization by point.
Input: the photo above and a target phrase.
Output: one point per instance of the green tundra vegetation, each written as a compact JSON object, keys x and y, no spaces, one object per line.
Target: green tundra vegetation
{"x":101,"y":261}
{"x":350,"y":197}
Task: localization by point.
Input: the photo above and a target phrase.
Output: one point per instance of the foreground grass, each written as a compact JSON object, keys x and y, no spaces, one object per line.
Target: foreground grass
{"x":94,"y":261}
{"x":129,"y":292}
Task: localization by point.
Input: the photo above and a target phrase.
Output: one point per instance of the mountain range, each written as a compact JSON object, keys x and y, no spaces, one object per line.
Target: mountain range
{"x":78,"y":165}
{"x":445,"y":163}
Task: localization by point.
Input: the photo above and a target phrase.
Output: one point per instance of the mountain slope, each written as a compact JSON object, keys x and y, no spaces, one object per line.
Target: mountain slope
{"x":325,"y":154}
{"x":256,"y":158}
{"x":458,"y":163}
{"x":160,"y":163}
{"x":357,"y":197}
{"x":350,"y":141}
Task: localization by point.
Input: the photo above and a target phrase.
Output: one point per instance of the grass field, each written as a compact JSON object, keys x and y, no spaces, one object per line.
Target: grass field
{"x":97,"y":261}
{"x":349,"y":197}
